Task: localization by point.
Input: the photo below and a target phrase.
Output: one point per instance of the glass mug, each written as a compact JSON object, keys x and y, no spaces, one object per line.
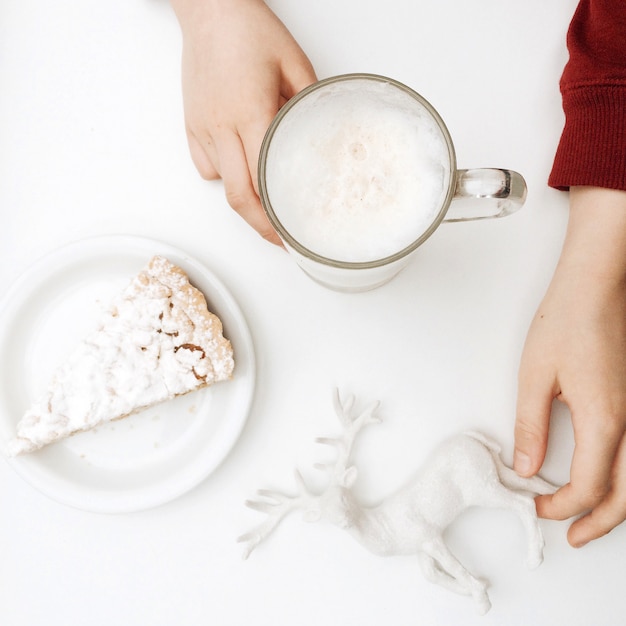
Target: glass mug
{"x":357,"y":171}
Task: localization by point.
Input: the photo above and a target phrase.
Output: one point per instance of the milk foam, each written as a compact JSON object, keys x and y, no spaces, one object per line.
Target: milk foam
{"x":357,"y":171}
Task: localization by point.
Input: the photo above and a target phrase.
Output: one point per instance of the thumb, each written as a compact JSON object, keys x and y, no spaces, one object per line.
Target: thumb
{"x":534,"y":405}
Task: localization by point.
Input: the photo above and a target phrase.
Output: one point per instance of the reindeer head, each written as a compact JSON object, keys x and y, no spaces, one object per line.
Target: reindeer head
{"x":336,"y":503}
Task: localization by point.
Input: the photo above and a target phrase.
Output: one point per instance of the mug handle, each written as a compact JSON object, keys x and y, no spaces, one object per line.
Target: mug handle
{"x":485,"y":193}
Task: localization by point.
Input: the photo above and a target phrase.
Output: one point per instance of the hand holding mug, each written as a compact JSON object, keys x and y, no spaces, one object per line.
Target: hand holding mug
{"x":239,"y":66}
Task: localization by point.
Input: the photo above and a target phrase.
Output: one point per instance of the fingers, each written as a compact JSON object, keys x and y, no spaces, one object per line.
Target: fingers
{"x":534,"y":404}
{"x":227,"y":159}
{"x":295,"y":79}
{"x":590,"y":473}
{"x":597,"y":484}
{"x":251,"y":139}
{"x":601,"y":521}
{"x":609,"y":513}
{"x":238,"y":186}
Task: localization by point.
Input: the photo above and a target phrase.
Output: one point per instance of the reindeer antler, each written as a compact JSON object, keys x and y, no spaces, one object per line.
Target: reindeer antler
{"x":276,"y":506}
{"x":352,"y":424}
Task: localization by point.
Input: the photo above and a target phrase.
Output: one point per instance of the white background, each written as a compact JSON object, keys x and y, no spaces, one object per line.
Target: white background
{"x":92,"y":142}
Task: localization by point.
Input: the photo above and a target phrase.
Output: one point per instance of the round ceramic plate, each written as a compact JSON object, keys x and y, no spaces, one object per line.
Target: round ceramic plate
{"x":148,"y":458}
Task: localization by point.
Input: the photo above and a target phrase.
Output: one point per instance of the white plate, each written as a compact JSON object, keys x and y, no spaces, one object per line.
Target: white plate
{"x":146,"y":459}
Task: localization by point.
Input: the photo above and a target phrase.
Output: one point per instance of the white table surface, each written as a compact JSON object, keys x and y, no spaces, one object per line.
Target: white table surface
{"x":92,"y":142}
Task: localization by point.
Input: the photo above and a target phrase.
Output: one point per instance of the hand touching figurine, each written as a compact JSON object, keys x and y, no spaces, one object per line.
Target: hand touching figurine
{"x":465,"y":471}
{"x":576,"y":352}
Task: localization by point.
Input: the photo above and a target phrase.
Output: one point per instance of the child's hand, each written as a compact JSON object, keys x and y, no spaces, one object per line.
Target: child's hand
{"x":240,"y":65}
{"x":576,"y":352}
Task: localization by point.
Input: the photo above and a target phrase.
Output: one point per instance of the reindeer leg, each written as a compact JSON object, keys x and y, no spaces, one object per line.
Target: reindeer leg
{"x":433,"y":572}
{"x":442,"y":567}
{"x":499,"y":496}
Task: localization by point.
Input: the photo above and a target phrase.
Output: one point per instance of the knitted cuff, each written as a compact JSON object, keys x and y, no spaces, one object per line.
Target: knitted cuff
{"x":592,"y":150}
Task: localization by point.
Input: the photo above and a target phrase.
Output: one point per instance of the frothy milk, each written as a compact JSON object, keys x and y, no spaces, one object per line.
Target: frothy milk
{"x":357,"y":171}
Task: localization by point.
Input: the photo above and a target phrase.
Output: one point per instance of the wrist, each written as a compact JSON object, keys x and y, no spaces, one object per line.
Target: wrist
{"x":594,"y":250}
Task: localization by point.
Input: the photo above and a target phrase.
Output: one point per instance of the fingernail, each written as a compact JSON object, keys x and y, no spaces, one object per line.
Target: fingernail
{"x":521,"y":463}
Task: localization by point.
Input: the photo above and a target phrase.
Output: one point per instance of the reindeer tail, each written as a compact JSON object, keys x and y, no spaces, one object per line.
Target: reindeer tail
{"x":534,"y":484}
{"x":490,"y":444}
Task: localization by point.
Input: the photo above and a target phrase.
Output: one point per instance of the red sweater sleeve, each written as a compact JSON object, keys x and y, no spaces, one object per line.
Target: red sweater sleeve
{"x":592,"y":150}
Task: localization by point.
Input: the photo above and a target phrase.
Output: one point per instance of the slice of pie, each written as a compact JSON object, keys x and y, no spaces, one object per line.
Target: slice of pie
{"x":156,"y":341}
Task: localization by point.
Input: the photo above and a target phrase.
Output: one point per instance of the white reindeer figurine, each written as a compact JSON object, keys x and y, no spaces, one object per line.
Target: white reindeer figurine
{"x":465,"y":471}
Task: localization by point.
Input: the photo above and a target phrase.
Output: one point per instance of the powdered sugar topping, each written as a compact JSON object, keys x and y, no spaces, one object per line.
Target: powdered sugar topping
{"x":157,"y":340}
